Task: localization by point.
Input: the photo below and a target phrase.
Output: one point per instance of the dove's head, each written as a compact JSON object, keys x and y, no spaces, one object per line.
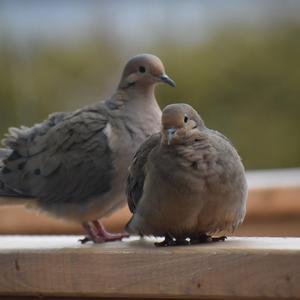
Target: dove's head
{"x":144,"y":70}
{"x":181,"y":124}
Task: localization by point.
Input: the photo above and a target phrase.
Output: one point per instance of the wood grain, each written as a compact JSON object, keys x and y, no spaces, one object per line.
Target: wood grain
{"x":240,"y":268}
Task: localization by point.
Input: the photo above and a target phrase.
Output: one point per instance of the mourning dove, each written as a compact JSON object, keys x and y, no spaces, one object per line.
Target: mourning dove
{"x":186,"y":182}
{"x":74,"y":165}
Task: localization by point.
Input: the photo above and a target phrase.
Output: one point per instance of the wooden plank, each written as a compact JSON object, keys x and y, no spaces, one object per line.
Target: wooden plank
{"x":240,"y":268}
{"x":268,"y":226}
{"x":112,"y":298}
{"x":274,"y":201}
{"x":273,"y":178}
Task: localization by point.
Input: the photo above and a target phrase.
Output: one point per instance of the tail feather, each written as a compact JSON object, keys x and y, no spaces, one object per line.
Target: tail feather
{"x":10,"y":196}
{"x":4,"y":153}
{"x":12,"y":201}
{"x":6,"y":192}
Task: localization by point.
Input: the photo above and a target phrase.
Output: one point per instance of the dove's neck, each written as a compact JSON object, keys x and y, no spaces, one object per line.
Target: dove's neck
{"x":141,"y":109}
{"x":139,"y":91}
{"x":142,"y":98}
{"x":137,"y":98}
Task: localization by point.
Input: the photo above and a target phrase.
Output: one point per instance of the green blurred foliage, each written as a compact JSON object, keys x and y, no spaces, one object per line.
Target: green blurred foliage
{"x":38,"y":79}
{"x":245,"y":82}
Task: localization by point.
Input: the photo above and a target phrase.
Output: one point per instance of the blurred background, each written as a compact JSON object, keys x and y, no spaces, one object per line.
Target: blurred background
{"x":236,"y":61}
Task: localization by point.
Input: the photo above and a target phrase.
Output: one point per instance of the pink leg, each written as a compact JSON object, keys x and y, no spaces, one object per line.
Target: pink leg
{"x":105,"y":235}
{"x":98,"y":234}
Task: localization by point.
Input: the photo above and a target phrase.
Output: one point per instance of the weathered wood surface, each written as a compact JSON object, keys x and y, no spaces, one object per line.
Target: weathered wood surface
{"x":240,"y":268}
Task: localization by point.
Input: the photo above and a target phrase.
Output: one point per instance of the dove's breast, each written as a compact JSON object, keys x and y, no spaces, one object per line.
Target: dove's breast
{"x":123,"y":140}
{"x":200,"y":193}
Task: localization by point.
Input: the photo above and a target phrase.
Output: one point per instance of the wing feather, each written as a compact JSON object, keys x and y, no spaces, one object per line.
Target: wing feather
{"x":65,"y":158}
{"x":136,"y":177}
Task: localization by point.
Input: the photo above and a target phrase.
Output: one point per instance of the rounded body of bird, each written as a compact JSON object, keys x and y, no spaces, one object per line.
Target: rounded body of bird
{"x":195,"y":187}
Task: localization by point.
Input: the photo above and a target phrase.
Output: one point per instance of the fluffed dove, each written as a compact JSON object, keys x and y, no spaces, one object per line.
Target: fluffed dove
{"x":186,"y":182}
{"x":74,"y":165}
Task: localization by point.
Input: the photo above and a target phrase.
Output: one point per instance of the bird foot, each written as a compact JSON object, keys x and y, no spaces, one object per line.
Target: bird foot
{"x":110,"y":237}
{"x":168,"y":241}
{"x":165,"y":243}
{"x":201,"y":239}
{"x":204,"y":238}
{"x":219,"y":238}
{"x":98,"y":234}
{"x":84,"y":240}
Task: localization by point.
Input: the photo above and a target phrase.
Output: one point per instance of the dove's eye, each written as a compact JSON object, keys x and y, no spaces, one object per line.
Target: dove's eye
{"x":185,"y":119}
{"x":142,"y":69}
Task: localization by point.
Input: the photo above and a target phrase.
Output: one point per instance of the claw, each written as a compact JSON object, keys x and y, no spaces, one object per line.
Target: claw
{"x":204,"y":238}
{"x":84,"y":240}
{"x":219,"y":239}
{"x":170,"y":241}
{"x":98,"y":234}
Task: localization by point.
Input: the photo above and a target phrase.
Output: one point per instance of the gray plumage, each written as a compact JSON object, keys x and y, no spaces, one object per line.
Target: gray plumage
{"x":74,"y":165}
{"x":187,"y":181}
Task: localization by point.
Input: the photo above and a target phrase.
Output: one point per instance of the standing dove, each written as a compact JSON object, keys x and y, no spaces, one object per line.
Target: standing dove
{"x":186,"y":182}
{"x":74,"y":165}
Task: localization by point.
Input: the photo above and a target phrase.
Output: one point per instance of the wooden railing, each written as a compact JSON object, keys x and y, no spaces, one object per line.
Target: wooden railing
{"x":240,"y":268}
{"x":53,"y":267}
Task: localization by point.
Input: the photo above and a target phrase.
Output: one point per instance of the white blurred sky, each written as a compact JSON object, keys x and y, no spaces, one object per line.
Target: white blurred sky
{"x":132,"y":22}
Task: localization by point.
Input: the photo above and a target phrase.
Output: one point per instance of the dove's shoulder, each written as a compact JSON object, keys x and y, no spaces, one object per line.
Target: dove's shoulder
{"x":136,"y":177}
{"x":54,"y":131}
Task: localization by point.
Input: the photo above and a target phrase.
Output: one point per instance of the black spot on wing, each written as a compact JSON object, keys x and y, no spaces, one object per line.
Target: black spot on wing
{"x":5,"y":170}
{"x":14,"y":155}
{"x":194,"y":165}
{"x":21,"y":165}
{"x":37,"y":171}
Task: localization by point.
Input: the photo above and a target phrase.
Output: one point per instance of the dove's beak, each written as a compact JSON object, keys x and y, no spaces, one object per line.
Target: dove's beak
{"x":170,"y":134}
{"x":166,"y":79}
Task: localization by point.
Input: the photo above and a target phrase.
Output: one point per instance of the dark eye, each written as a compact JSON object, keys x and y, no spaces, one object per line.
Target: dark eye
{"x":185,"y":119}
{"x":142,"y":69}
